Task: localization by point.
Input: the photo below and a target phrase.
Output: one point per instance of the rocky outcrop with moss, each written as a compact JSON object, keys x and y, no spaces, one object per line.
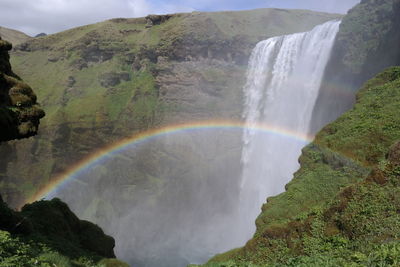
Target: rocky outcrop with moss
{"x":367,"y":43}
{"x":19,"y":111}
{"x":47,"y":232}
{"x":341,"y":208}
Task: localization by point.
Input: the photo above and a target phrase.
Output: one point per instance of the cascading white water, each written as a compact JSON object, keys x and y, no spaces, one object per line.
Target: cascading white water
{"x":283,"y":80}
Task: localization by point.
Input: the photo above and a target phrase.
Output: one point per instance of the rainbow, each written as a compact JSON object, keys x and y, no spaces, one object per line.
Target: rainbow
{"x":98,"y":156}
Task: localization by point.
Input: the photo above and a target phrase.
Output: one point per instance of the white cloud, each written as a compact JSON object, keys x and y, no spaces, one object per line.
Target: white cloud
{"x":139,"y":8}
{"x":51,"y":16}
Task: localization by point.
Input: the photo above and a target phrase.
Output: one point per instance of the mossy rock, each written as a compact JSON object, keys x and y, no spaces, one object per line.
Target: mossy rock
{"x":93,"y":238}
{"x":55,"y":222}
{"x":5,"y":46}
{"x":51,"y":233}
{"x":19,"y":112}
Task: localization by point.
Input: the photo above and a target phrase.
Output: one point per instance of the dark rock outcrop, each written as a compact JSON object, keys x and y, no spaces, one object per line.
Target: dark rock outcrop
{"x":13,"y":221}
{"x":57,"y":223}
{"x":40,"y":35}
{"x":394,"y":154}
{"x":19,"y":111}
{"x":157,"y":19}
{"x":113,"y":78}
{"x":54,"y":224}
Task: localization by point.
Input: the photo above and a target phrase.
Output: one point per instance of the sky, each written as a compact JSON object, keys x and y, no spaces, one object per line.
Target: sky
{"x":50,"y":16}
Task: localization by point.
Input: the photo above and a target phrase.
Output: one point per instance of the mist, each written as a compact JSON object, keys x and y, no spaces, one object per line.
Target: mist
{"x":169,"y":201}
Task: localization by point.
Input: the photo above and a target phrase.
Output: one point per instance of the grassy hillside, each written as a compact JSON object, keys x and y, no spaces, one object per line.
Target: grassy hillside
{"x":102,"y":82}
{"x":341,"y":209}
{"x":13,"y":36}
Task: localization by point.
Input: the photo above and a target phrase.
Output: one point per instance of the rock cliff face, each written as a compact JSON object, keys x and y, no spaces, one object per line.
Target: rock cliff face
{"x":100,"y":83}
{"x":367,"y":43}
{"x":19,"y":112}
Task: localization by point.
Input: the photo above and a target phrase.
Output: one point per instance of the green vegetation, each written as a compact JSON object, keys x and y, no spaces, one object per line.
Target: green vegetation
{"x":16,"y":252}
{"x":312,"y":224}
{"x":47,"y":233}
{"x":19,"y":252}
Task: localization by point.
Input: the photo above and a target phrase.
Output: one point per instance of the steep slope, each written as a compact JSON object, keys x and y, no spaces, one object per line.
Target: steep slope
{"x":13,"y":36}
{"x":342,"y":206}
{"x":367,"y":43}
{"x":102,"y":82}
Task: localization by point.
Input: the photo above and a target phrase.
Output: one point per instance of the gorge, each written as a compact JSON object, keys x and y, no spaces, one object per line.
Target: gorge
{"x":152,"y":132}
{"x":214,"y":209}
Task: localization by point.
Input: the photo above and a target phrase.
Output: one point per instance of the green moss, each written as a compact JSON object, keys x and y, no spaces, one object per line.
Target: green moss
{"x":18,"y":252}
{"x":19,"y":112}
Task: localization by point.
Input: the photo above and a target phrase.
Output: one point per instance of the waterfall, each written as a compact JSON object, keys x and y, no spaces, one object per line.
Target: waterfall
{"x":181,"y":198}
{"x":283,"y":80}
